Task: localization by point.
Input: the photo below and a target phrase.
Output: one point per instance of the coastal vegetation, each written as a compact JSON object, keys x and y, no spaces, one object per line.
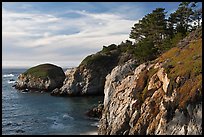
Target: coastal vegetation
{"x":155,"y":33}
{"x":44,"y":71}
{"x":160,"y":96}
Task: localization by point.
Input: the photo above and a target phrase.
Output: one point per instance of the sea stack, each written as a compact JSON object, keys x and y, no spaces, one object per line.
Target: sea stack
{"x":44,"y":77}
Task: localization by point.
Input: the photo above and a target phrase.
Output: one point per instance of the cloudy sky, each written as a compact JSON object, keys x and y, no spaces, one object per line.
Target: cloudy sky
{"x":63,"y":33}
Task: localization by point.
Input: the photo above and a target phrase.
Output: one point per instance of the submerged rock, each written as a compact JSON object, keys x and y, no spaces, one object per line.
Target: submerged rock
{"x":11,"y":80}
{"x":44,"y":77}
{"x":20,"y":131}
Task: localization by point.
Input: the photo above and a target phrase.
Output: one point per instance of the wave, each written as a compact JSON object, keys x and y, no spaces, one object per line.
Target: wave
{"x":95,"y":124}
{"x":8,"y":75}
{"x":11,"y":81}
{"x":54,"y":118}
{"x":67,"y":116}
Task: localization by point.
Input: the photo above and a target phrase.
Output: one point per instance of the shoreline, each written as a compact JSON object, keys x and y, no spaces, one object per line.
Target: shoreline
{"x":90,"y":133}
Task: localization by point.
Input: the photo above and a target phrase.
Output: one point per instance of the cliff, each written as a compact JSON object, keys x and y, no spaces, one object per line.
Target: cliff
{"x":89,"y":77}
{"x":159,"y":97}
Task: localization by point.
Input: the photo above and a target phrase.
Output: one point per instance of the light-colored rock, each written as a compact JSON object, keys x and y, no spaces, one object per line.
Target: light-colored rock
{"x":67,"y":87}
{"x":163,"y":78}
{"x":125,"y":112}
{"x":115,"y":77}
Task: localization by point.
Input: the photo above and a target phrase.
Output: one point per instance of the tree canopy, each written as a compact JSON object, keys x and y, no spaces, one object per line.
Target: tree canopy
{"x":156,"y":27}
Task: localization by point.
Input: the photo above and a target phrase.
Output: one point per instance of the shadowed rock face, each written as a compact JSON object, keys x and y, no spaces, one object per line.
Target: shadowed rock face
{"x":44,"y":77}
{"x":89,"y":77}
{"x":95,"y":111}
{"x":161,"y":97}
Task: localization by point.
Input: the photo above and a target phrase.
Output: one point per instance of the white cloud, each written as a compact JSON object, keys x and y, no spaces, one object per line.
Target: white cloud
{"x":32,"y":38}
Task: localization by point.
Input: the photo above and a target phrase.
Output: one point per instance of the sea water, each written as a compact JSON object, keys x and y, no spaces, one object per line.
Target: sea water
{"x":36,"y":113}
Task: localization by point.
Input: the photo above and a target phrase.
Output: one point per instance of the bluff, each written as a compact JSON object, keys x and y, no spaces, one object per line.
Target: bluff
{"x":44,"y":77}
{"x":89,"y":77}
{"x":159,"y":97}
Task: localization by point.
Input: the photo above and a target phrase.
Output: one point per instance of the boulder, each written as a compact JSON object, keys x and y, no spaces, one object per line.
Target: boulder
{"x":95,"y":111}
{"x":44,"y":77}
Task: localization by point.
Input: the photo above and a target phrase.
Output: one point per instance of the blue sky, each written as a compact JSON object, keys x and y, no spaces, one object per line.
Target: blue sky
{"x":63,"y":33}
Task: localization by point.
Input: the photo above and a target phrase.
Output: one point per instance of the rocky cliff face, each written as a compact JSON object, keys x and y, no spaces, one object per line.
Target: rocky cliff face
{"x":89,"y":77}
{"x":161,"y":97}
{"x":44,"y":77}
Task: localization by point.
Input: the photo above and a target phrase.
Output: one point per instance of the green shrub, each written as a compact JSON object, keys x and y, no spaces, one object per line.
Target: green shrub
{"x":126,"y":46}
{"x":166,"y":45}
{"x":145,"y":50}
{"x":109,"y":48}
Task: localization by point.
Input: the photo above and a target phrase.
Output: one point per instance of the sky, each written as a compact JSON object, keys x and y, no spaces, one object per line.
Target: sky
{"x":64,"y":33}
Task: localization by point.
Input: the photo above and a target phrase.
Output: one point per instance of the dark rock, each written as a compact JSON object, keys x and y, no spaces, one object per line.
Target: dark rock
{"x":16,"y":124}
{"x":20,"y":131}
{"x":8,"y":124}
{"x":55,"y":92}
{"x":95,"y":111}
{"x":11,"y":80}
{"x":14,"y":85}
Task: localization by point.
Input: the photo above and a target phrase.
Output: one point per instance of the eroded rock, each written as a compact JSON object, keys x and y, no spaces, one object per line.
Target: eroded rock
{"x":42,"y":77}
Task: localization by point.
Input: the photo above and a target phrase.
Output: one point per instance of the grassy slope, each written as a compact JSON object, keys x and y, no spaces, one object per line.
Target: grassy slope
{"x":43,"y":71}
{"x":186,"y":63}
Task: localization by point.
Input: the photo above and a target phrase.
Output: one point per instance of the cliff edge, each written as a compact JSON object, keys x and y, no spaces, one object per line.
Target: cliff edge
{"x":159,"y":97}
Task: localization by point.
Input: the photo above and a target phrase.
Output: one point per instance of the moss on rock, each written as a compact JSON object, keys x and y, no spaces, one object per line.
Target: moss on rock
{"x":45,"y":70}
{"x":42,"y":77}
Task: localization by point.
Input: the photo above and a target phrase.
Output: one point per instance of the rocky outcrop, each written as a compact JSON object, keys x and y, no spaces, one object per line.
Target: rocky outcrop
{"x":161,"y":97}
{"x":95,"y":111}
{"x":89,"y":77}
{"x":115,"y":77}
{"x":133,"y":106}
{"x":45,"y":77}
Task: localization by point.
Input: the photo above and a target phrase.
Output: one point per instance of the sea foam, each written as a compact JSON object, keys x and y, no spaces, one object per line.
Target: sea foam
{"x":8,"y":75}
{"x":65,"y":116}
{"x":11,"y":82}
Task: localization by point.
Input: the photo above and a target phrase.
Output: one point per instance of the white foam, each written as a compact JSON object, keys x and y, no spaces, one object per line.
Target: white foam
{"x":11,"y":82}
{"x":8,"y":75}
{"x":55,"y":118}
{"x":96,"y":124}
{"x":65,"y":116}
{"x":24,"y":92}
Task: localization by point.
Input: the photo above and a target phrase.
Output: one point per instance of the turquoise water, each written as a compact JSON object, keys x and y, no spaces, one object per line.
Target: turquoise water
{"x":36,"y":113}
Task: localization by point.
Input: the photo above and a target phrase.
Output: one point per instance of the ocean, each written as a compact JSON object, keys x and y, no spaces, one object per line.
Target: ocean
{"x":36,"y":113}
